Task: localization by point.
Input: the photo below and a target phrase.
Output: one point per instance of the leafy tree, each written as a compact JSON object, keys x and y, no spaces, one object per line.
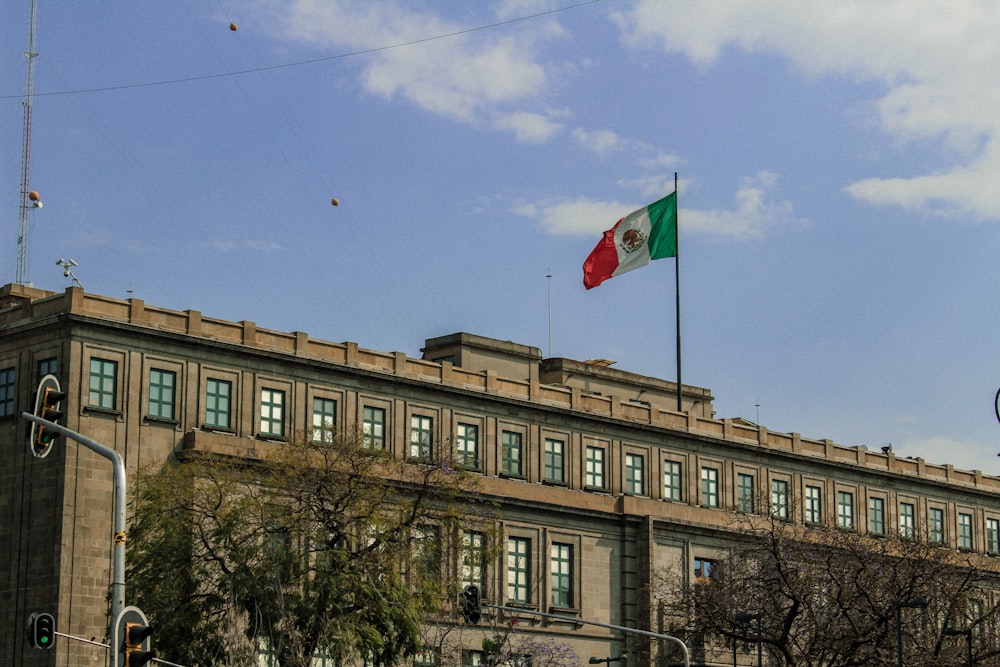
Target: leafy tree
{"x":319,"y":547}
{"x":834,"y":598}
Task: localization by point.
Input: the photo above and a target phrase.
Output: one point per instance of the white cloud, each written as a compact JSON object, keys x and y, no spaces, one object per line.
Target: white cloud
{"x":939,"y":62}
{"x":528,"y":128}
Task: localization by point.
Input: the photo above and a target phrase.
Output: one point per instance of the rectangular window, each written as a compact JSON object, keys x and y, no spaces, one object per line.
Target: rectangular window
{"x":519,"y":570}
{"x":634,"y":482}
{"x":48,"y":366}
{"x":595,"y":467}
{"x":561,"y":564}
{"x":965,"y":532}
{"x":161,"y":393}
{"x":993,"y":536}
{"x":510,"y":453}
{"x":427,"y":552}
{"x":218,"y":395}
{"x":744,"y":493}
{"x":876,"y":516}
{"x":324,"y":419}
{"x":467,"y":445}
{"x":935,"y":525}
{"x":672,"y":488}
{"x":845,"y":510}
{"x":709,"y":487}
{"x":703,"y":568}
{"x":103,"y":383}
{"x":554,"y":461}
{"x":373,"y":427}
{"x":421,"y":431}
{"x":779,"y":499}
{"x":814,"y":505}
{"x":473,"y":559}
{"x":907,"y":526}
{"x":272,"y":412}
{"x":8,"y":389}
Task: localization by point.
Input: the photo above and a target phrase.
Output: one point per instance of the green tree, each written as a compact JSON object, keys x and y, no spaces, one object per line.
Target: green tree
{"x":318,"y":548}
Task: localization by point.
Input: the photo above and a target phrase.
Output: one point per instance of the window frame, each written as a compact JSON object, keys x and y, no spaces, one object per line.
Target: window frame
{"x":992,"y":532}
{"x":561,"y":571}
{"x":935,"y":525}
{"x":845,"y":510}
{"x":421,"y":437}
{"x":8,"y":391}
{"x":466,"y":433}
{"x":158,"y":389}
{"x":324,"y":432}
{"x":813,"y":505}
{"x":218,"y":383}
{"x":779,"y":499}
{"x":272,"y":412}
{"x":876,"y":516}
{"x":595,"y":468}
{"x":746,"y":499}
{"x":96,"y":396}
{"x":511,"y":453}
{"x":373,"y":430}
{"x":554,"y":460}
{"x":965,"y":536}
{"x":673,"y":481}
{"x":709,"y":486}
{"x":635,"y":474}
{"x":907,"y":520}
{"x":518,"y":568}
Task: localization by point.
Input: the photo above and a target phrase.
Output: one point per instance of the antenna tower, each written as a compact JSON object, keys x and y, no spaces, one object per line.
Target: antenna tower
{"x":27,"y":202}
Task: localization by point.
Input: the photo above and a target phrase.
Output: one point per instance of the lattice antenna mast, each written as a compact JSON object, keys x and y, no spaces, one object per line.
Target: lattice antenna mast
{"x":29,"y":201}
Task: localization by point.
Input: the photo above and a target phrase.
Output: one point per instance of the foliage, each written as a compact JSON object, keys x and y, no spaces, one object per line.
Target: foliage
{"x":322,"y":547}
{"x":831,"y":597}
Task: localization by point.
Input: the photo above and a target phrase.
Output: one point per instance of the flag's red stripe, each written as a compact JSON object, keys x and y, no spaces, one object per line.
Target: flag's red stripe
{"x":602,"y":261}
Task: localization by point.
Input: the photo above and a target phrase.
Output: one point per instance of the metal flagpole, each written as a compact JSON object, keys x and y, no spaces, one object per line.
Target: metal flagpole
{"x":677,"y":282}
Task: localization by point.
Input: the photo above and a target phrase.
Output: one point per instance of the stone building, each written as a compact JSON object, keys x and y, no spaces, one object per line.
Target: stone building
{"x":601,"y":480}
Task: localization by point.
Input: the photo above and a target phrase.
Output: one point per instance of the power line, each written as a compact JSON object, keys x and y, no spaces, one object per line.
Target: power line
{"x":312,"y":61}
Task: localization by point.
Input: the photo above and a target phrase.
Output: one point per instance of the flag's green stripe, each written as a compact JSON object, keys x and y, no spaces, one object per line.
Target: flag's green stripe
{"x":663,"y":227}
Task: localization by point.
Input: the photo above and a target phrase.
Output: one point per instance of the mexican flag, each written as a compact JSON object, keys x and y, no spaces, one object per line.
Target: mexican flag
{"x":635,"y":240}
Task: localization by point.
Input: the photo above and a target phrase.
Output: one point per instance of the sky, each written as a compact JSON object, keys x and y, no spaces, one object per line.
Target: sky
{"x":839,"y":212}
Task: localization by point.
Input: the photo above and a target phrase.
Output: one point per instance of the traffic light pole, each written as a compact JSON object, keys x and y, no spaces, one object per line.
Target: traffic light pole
{"x":118,"y":576}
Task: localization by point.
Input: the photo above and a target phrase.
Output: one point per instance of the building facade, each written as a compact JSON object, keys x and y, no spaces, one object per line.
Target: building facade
{"x":600,"y":479}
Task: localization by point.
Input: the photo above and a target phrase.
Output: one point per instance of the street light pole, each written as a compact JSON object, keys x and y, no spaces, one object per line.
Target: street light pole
{"x":746,"y":617}
{"x":952,"y":632}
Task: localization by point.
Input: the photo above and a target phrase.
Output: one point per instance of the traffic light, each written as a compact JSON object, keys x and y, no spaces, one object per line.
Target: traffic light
{"x":130,"y":640}
{"x":41,"y":630}
{"x":47,"y":402}
{"x":471,"y":611}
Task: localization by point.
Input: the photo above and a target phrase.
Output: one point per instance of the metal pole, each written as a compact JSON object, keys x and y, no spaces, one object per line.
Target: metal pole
{"x":118,"y":574}
{"x":573,"y":619}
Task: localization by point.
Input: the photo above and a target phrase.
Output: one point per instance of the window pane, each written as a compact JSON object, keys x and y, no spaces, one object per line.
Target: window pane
{"x":554,"y":460}
{"x":217,"y":397}
{"x":672,"y":481}
{"x":161,"y":393}
{"x":709,"y":487}
{"x":103,"y":374}
{"x":421,"y":437}
{"x":518,"y":569}
{"x":8,"y":387}
{"x":745,"y":493}
{"x":634,"y":482}
{"x":324,"y":420}
{"x":272,"y":412}
{"x":472,"y":560}
{"x":876,"y":516}
{"x":468,"y":445}
{"x":779,"y":498}
{"x":845,"y":509}
{"x":373,"y":425}
{"x":562,"y":575}
{"x":814,"y":505}
{"x":510,"y":455}
{"x":595,"y":467}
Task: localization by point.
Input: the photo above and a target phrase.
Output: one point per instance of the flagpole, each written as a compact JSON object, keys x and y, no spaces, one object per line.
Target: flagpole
{"x":677,"y":282}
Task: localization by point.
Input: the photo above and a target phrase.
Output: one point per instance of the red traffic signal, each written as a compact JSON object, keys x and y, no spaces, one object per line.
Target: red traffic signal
{"x":47,"y":401}
{"x":42,"y":630}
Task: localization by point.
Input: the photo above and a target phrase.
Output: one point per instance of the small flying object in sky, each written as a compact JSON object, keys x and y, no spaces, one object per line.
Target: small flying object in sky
{"x":233,"y":27}
{"x":335,"y":201}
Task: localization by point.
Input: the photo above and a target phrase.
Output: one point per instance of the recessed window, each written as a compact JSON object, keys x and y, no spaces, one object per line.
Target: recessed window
{"x":561,"y":565}
{"x":745,"y":493}
{"x":48,"y":366}
{"x":634,"y":475}
{"x":373,"y":427}
{"x":8,"y":389}
{"x":162,"y":386}
{"x":473,"y":559}
{"x":779,"y":499}
{"x":709,"y":487}
{"x":993,"y":536}
{"x":595,"y":467}
{"x":519,"y":570}
{"x":845,"y":510}
{"x":876,"y":516}
{"x":907,"y":525}
{"x":103,"y":384}
{"x":965,"y":531}
{"x":672,"y":484}
{"x":324,"y":419}
{"x":935,"y":525}
{"x":510,"y":453}
{"x":554,"y":460}
{"x":814,"y":505}
{"x":421,"y":437}
{"x":703,"y":568}
{"x":467,"y":445}
{"x":272,"y":412}
{"x":218,"y":397}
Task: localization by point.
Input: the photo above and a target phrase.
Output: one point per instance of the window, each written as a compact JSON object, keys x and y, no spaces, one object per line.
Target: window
{"x":48,"y":366}
{"x":518,"y":570}
{"x":103,"y":382}
{"x":472,"y":559}
{"x":554,"y":461}
{"x":420,"y":437}
{"x":562,"y":575}
{"x":634,"y":483}
{"x":744,"y":493}
{"x":161,"y":393}
{"x":876,"y":516}
{"x":907,"y":512}
{"x":703,"y":568}
{"x":218,"y":394}
{"x":373,"y":427}
{"x":845,"y":510}
{"x":8,"y":389}
{"x":814,"y":505}
{"x":993,"y":536}
{"x":935,"y":525}
{"x":510,"y":453}
{"x":965,"y":531}
{"x":427,"y":552}
{"x":709,"y":487}
{"x":467,"y":445}
{"x":595,"y":467}
{"x":779,"y":498}
{"x":272,"y":412}
{"x":672,"y":481}
{"x":324,"y":419}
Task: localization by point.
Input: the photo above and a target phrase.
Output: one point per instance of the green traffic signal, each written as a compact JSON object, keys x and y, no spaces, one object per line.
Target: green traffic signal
{"x":42,"y":630}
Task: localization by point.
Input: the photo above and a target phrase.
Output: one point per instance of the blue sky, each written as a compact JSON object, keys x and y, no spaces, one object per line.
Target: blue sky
{"x":837,"y":161}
